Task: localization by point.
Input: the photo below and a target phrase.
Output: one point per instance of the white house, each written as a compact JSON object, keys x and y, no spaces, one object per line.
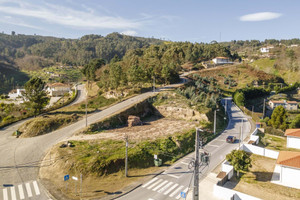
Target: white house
{"x":265,"y":50}
{"x":221,"y":60}
{"x":288,"y":167}
{"x":58,"y":89}
{"x":293,"y":138}
{"x":289,"y":105}
{"x":16,"y":94}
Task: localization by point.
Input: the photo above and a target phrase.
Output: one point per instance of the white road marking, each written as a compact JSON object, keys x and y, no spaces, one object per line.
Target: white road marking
{"x":159,"y":186}
{"x":36,"y":188}
{"x":170,"y":189}
{"x":154,"y":184}
{"x":149,"y":182}
{"x":176,"y":191}
{"x":21,"y":192}
{"x":213,"y":145}
{"x":5,"y":195}
{"x":185,"y":163}
{"x":28,"y":189}
{"x":173,"y":176}
{"x":165,"y":187}
{"x":185,"y":190}
{"x":13,"y":193}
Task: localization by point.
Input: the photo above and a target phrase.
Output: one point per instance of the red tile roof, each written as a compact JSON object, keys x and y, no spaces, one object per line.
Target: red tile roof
{"x":289,"y":158}
{"x":292,"y":132}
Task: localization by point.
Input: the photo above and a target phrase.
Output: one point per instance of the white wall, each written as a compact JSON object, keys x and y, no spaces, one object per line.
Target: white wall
{"x":260,"y":151}
{"x":226,"y":167}
{"x":225,"y":193}
{"x":293,"y":142}
{"x":290,"y":177}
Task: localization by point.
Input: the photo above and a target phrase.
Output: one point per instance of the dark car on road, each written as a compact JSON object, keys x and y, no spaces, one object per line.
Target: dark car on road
{"x":230,"y":139}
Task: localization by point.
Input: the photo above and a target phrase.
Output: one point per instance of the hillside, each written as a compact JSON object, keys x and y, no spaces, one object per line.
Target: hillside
{"x":10,"y":77}
{"x":40,"y":51}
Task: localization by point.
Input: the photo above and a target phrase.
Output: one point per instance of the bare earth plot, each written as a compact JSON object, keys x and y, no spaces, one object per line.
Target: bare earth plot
{"x":151,"y":129}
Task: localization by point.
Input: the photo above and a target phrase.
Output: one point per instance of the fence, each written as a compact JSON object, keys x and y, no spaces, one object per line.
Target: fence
{"x":260,"y":151}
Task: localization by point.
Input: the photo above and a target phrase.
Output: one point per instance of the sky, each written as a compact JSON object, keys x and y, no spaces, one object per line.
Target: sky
{"x":175,"y":20}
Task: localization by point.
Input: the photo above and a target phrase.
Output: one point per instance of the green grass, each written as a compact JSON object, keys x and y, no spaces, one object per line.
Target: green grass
{"x":263,"y":63}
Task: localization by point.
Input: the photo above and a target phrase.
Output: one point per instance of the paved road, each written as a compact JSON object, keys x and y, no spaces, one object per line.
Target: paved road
{"x":21,"y":157}
{"x":81,"y":96}
{"x":178,"y":178}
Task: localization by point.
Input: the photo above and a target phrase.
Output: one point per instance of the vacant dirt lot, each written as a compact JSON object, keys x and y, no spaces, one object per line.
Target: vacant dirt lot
{"x":152,"y":128}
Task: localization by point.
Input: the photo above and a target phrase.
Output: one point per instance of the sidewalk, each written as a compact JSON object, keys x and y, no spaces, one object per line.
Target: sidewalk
{"x":206,"y":188}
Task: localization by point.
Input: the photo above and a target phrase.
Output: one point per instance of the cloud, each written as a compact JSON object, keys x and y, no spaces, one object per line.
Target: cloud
{"x":17,"y":22}
{"x":261,"y":16}
{"x":66,"y":16}
{"x":129,"y":32}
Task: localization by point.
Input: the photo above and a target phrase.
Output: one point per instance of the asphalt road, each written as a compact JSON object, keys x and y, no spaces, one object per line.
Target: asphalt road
{"x":20,"y":158}
{"x":179,"y":178}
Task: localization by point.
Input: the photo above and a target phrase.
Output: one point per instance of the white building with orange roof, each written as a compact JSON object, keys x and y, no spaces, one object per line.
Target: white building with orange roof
{"x":287,"y":169}
{"x":293,"y":138}
{"x":288,"y":105}
{"x":58,"y":89}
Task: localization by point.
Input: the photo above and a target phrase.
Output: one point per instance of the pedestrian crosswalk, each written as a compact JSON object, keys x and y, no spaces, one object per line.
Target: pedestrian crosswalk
{"x":20,"y":191}
{"x":165,"y":187}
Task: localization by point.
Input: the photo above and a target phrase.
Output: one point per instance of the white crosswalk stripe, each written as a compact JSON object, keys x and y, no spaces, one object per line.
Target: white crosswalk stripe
{"x":13,"y":193}
{"x":28,"y":189}
{"x":21,"y":192}
{"x":179,"y":195}
{"x":170,"y":189}
{"x":5,"y":194}
{"x":154,"y":184}
{"x":176,"y":191}
{"x":36,"y":188}
{"x":165,"y":187}
{"x":17,"y":192}
{"x":159,"y":186}
{"x":149,"y":182}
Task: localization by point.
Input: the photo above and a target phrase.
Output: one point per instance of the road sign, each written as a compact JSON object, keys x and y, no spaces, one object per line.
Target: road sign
{"x":183,"y":195}
{"x":155,"y":156}
{"x":66,"y":177}
{"x":75,"y":178}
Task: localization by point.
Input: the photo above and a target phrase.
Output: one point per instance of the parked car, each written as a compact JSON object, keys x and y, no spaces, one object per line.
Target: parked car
{"x":230,"y":139}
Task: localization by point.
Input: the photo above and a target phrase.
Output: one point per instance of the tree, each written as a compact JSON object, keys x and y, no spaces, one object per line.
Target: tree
{"x":296,"y":122}
{"x":35,"y":95}
{"x":278,"y":118}
{"x":240,"y":160}
{"x":89,"y":70}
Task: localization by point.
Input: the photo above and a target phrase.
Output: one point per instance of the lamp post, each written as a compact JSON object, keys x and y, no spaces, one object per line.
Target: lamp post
{"x":86,"y":108}
{"x":196,"y":168}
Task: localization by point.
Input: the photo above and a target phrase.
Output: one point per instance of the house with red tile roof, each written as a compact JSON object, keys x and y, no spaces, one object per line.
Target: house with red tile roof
{"x":289,"y":168}
{"x":58,"y":89}
{"x":288,"y":105}
{"x":293,"y":138}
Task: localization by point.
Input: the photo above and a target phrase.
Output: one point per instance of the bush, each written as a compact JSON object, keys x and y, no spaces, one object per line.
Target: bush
{"x":273,"y":131}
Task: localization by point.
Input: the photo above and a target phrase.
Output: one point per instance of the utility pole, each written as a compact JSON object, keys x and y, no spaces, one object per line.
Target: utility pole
{"x":215,"y":122}
{"x":264,"y":108}
{"x":126,"y":156}
{"x":196,"y":169}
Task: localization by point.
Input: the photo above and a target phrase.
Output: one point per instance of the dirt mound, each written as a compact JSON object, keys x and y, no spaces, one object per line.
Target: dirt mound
{"x":45,"y":124}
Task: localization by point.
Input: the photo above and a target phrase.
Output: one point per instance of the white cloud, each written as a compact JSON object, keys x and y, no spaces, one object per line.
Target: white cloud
{"x":129,"y":32}
{"x":261,"y":16}
{"x":66,"y":16}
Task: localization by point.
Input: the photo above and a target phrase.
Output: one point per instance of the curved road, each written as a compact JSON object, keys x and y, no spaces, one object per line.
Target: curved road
{"x":21,"y":157}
